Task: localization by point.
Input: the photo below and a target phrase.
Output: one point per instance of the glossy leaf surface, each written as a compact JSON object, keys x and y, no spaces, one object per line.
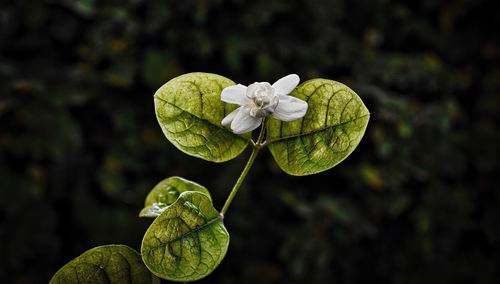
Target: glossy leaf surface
{"x":187,"y":241}
{"x":331,"y":129}
{"x":166,"y":192}
{"x":189,"y":110}
{"x":106,"y":264}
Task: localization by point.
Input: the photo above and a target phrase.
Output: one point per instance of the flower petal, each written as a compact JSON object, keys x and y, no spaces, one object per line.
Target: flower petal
{"x":243,"y":122}
{"x":290,"y":108}
{"x":286,"y":84}
{"x":234,"y":94}
{"x":230,"y":117}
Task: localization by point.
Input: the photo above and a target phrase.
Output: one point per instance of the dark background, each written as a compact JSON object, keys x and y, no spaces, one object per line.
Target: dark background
{"x":416,"y":202}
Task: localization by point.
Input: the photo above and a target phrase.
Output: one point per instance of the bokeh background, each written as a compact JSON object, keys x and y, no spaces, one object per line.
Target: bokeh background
{"x":417,"y":201}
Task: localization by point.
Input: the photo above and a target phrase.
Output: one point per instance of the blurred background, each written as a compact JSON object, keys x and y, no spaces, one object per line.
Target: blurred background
{"x":417,"y":201}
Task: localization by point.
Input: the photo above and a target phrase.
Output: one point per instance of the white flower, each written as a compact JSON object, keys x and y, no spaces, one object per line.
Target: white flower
{"x":261,"y":99}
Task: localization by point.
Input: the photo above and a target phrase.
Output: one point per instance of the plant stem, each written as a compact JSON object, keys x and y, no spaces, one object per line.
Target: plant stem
{"x":256,"y":148}
{"x":244,"y":173}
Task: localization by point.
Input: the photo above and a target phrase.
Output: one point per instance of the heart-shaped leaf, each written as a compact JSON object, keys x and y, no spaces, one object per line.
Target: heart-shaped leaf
{"x":106,"y":264}
{"x":334,"y":124}
{"x":189,"y":110}
{"x":166,"y":192}
{"x":187,"y":241}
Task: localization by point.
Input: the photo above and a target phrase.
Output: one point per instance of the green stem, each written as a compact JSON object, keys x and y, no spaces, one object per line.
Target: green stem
{"x":256,"y":148}
{"x":231,"y":196}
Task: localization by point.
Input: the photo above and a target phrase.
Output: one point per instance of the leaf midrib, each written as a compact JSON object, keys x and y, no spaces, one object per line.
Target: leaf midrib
{"x":280,"y":139}
{"x":191,"y":231}
{"x":157,"y":97}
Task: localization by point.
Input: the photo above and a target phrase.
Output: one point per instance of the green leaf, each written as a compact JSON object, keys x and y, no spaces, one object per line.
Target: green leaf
{"x":166,"y":192}
{"x":187,"y":241}
{"x":106,"y":264}
{"x":189,"y":110}
{"x":334,"y":124}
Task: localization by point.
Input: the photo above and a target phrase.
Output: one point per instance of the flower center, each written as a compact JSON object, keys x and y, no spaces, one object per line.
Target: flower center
{"x":262,"y":99}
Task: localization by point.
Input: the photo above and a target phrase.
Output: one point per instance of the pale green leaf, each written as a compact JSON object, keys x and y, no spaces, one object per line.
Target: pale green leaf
{"x":106,"y":264}
{"x":187,"y":241}
{"x":333,"y":126}
{"x":166,"y":192}
{"x":189,"y":110}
